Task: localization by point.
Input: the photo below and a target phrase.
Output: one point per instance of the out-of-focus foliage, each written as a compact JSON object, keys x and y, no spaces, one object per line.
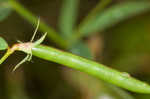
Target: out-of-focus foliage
{"x":81,"y":49}
{"x":5,"y":9}
{"x":67,"y":27}
{"x":94,"y":88}
{"x":113,"y":15}
{"x":68,"y":17}
{"x":133,"y":45}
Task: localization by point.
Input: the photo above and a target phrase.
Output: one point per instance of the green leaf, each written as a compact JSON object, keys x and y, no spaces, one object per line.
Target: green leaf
{"x":112,"y":16}
{"x":5,"y":9}
{"x":3,"y":44}
{"x":68,"y":17}
{"x":81,"y":49}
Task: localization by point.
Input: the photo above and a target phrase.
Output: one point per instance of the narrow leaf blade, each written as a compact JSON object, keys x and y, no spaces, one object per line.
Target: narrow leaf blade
{"x":113,"y":15}
{"x":68,"y":17}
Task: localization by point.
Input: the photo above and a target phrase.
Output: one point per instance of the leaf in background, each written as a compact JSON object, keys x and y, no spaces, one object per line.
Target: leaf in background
{"x":113,"y":15}
{"x":3,"y":44}
{"x":81,"y":49}
{"x":68,"y":17}
{"x":5,"y":9}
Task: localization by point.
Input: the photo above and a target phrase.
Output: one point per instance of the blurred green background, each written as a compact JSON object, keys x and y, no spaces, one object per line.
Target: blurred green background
{"x":121,"y":43}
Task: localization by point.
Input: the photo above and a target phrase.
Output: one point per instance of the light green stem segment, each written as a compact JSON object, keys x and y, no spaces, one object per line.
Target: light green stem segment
{"x":8,"y":53}
{"x":92,"y":68}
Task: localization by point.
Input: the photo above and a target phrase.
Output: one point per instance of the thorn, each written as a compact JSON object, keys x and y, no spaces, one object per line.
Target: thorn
{"x":36,"y":29}
{"x":19,"y":41}
{"x":40,"y":40}
{"x":21,"y":62}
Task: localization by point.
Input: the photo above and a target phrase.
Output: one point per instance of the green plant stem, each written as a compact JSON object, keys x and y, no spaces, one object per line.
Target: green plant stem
{"x":92,"y":68}
{"x":43,"y":26}
{"x":8,"y":53}
{"x":99,"y":7}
